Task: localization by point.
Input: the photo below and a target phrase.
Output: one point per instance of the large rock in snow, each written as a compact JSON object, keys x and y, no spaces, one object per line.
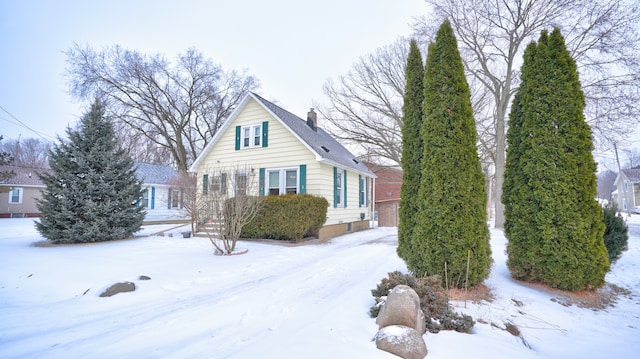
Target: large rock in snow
{"x":402,"y":341}
{"x":402,"y":307}
{"x":118,"y":288}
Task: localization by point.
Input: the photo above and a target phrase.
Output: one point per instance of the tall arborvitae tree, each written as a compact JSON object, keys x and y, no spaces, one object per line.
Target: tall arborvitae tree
{"x":554,"y":224}
{"x":411,"y":148}
{"x":91,"y":194}
{"x":451,"y":237}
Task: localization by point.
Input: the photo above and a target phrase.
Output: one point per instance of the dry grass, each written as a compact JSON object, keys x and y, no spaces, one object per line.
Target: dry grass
{"x":475,"y":294}
{"x":597,"y":299}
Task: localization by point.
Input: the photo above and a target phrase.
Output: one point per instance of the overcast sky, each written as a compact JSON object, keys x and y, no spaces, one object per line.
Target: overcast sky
{"x":291,"y":46}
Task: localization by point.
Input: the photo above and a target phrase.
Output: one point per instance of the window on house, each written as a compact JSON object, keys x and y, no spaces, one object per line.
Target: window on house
{"x":283,"y":181}
{"x":624,"y":203}
{"x":625,"y":186}
{"x":175,"y":198}
{"x":144,"y":201}
{"x":15,"y":196}
{"x":251,"y":136}
{"x":241,"y":183}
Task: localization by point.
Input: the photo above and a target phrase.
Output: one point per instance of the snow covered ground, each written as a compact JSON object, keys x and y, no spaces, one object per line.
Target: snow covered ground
{"x":309,"y":301}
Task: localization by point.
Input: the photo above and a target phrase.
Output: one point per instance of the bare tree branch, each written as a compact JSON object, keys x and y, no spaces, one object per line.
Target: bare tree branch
{"x":176,"y":107}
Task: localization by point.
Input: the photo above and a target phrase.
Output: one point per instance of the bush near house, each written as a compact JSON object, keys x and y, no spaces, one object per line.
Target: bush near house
{"x":434,"y":302}
{"x":616,"y":235}
{"x":288,"y":217}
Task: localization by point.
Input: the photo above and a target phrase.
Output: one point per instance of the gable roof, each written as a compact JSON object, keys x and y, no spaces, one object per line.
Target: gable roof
{"x":632,"y":174}
{"x":150,"y":173}
{"x":25,"y":176}
{"x":326,"y":148}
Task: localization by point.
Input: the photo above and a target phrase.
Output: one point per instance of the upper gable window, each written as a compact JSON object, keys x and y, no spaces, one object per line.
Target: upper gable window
{"x":251,"y":136}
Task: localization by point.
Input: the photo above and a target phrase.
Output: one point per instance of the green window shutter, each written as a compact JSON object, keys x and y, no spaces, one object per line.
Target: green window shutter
{"x":223,"y":183}
{"x":205,"y":184}
{"x":265,"y":133}
{"x":153,"y":197}
{"x":261,"y":180}
{"x":237,"y":138}
{"x":335,"y":187}
{"x":366,"y":194}
{"x":303,"y":179}
{"x":360,"y":199}
{"x":344,"y":188}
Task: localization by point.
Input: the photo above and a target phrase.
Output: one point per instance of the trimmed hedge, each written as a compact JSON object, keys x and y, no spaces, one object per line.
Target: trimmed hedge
{"x":288,"y":217}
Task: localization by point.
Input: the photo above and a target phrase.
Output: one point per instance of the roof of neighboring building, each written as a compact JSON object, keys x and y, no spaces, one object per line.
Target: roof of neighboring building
{"x":146,"y":172}
{"x":155,"y":173}
{"x":25,"y":176}
{"x":322,"y":144}
{"x":632,"y":174}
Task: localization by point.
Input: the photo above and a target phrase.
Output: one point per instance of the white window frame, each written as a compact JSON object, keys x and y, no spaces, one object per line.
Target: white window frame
{"x":282,"y":180}
{"x":175,"y":198}
{"x":340,"y":187}
{"x":144,"y":199}
{"x":625,"y":186}
{"x":11,"y":195}
{"x":251,"y":136}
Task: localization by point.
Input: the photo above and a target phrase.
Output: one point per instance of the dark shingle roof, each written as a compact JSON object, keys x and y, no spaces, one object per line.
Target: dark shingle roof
{"x":148,"y":173}
{"x":155,"y":174}
{"x":25,"y":176}
{"x":322,"y":143}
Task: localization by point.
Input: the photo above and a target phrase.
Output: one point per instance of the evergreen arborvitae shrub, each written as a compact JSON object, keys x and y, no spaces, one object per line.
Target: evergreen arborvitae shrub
{"x":451,"y":236}
{"x":92,"y":193}
{"x":434,"y":302}
{"x":288,"y":217}
{"x":412,"y":149}
{"x":553,"y":223}
{"x":616,"y":235}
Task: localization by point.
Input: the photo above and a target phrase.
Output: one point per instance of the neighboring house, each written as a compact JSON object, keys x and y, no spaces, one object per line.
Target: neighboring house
{"x":286,"y":154}
{"x":627,"y":193}
{"x":18,"y":194}
{"x":387,"y":194}
{"x":162,"y":200}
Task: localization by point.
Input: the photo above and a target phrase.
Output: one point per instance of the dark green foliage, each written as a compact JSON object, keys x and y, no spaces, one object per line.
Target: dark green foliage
{"x":5,"y":159}
{"x":92,"y":192}
{"x":451,"y":225}
{"x":412,"y":149}
{"x":288,"y":217}
{"x":616,"y":235}
{"x":552,"y":220}
{"x":434,"y":302}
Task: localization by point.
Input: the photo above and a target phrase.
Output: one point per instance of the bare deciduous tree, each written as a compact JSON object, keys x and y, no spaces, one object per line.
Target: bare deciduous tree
{"x":177,"y":107}
{"x":365,"y":107}
{"x":192,"y":202}
{"x":601,"y":34}
{"x":28,"y":152}
{"x":229,"y":202}
{"x":633,"y":157}
{"x":606,"y":184}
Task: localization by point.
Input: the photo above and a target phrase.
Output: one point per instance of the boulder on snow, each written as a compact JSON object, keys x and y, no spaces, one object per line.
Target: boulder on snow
{"x":402,"y":307}
{"x":402,"y":341}
{"x":118,"y":288}
{"x":144,"y":277}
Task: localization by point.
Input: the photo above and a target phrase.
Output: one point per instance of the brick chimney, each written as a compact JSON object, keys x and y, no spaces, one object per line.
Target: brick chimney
{"x":312,"y":119}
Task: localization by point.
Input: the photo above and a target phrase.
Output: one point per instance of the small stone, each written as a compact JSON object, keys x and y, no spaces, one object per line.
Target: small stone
{"x":118,"y":288}
{"x":144,"y":277}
